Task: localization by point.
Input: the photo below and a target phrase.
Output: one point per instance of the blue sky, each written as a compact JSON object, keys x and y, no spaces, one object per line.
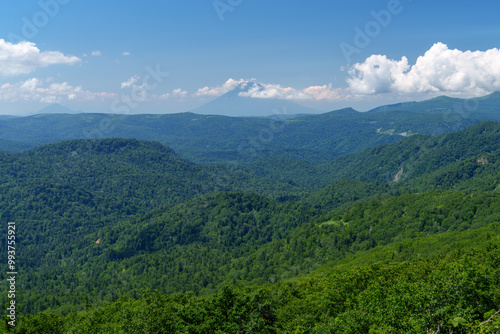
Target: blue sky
{"x":93,"y":55}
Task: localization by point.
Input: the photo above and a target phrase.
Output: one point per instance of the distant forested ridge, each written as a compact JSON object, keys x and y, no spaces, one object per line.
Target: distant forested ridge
{"x":245,"y":140}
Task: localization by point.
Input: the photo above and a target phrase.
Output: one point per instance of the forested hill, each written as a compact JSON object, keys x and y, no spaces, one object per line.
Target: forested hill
{"x":127,"y":171}
{"x":82,"y":185}
{"x":407,"y":159}
{"x":61,"y":194}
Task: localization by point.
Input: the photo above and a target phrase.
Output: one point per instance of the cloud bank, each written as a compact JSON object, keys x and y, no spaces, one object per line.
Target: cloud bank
{"x":36,"y":90}
{"x":25,"y":57}
{"x":229,"y":85}
{"x":256,"y":90}
{"x":439,"y":70}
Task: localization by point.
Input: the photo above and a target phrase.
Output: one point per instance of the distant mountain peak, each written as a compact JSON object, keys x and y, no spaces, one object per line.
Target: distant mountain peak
{"x":238,"y":102}
{"x":56,"y":108}
{"x":243,"y":87}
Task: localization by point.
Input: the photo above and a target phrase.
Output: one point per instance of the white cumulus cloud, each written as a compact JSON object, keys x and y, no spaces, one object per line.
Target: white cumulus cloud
{"x":25,"y":57}
{"x":439,"y":70}
{"x":230,"y":84}
{"x":96,"y":53}
{"x":273,"y":91}
{"x":130,"y":82}
{"x":36,"y":90}
{"x":179,"y":92}
{"x":252,"y":89}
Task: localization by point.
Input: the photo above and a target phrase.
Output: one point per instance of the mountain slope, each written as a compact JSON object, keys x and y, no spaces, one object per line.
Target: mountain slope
{"x":409,"y":158}
{"x":62,"y":193}
{"x":452,"y":286}
{"x":223,"y":238}
{"x":417,"y":155}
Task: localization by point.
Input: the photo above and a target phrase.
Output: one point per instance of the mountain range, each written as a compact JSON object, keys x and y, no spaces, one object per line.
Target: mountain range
{"x":351,"y":222}
{"x":485,"y":106}
{"x":244,"y":140}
